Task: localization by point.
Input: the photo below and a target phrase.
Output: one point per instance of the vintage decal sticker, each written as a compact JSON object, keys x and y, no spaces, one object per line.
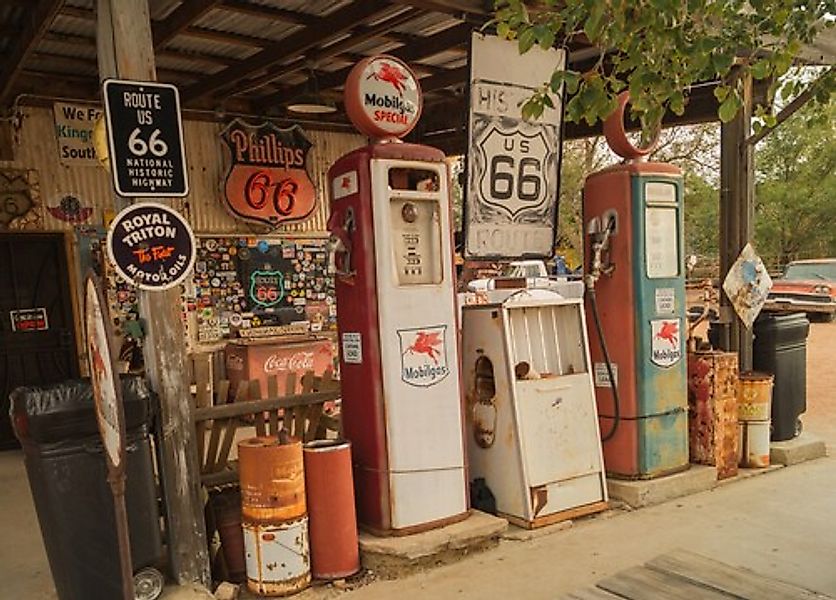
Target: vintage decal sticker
{"x":665,"y":301}
{"x":423,"y":355}
{"x":352,"y":348}
{"x":344,"y":185}
{"x":665,"y":342}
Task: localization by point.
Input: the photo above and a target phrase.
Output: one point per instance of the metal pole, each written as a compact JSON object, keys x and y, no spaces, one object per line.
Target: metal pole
{"x":117,"y":487}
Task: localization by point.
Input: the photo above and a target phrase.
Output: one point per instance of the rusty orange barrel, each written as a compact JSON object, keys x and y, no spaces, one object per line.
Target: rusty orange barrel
{"x":274,"y":517}
{"x":330,"y":491}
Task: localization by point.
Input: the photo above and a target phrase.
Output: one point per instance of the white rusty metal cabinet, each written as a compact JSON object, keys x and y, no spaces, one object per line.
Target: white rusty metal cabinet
{"x":532,"y":425}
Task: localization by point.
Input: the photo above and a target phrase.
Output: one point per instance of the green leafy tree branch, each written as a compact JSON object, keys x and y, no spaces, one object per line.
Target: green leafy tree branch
{"x":659,"y":49}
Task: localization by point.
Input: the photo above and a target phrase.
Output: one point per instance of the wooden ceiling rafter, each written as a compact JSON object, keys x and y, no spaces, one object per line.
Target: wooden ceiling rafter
{"x":166,"y":74}
{"x":83,"y":41}
{"x":453,"y":36}
{"x":179,"y":19}
{"x":36,"y":23}
{"x":335,"y":49}
{"x":297,"y":43}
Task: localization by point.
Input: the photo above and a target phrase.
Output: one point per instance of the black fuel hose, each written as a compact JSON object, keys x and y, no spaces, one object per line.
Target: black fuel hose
{"x":593,"y":302}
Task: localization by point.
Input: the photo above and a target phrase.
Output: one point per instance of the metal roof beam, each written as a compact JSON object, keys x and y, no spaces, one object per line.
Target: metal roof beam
{"x":35,"y":24}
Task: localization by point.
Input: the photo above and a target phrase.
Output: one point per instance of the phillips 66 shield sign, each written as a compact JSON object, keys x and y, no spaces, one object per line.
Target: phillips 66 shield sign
{"x":268,"y":180}
{"x":513,"y":164}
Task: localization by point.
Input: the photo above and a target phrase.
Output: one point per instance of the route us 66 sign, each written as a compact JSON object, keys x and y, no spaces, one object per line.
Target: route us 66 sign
{"x":145,"y":139}
{"x":513,"y":175}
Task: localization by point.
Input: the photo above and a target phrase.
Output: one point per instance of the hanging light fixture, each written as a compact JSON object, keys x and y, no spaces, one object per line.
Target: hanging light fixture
{"x":312,"y":102}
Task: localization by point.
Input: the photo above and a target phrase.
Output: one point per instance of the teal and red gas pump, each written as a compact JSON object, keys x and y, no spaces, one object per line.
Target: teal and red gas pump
{"x":635,"y":279}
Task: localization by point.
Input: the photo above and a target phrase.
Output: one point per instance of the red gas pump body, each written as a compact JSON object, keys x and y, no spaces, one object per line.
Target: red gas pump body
{"x":364,"y":397}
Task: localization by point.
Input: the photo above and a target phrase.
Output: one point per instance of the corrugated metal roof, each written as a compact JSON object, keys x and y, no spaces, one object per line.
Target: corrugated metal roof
{"x":258,"y":27}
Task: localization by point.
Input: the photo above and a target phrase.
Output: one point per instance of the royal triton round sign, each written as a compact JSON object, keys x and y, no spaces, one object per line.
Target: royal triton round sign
{"x":382,"y":97}
{"x":151,"y":245}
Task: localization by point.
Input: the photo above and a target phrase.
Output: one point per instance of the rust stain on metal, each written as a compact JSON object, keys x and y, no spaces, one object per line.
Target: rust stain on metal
{"x":712,"y":410}
{"x":272,"y":480}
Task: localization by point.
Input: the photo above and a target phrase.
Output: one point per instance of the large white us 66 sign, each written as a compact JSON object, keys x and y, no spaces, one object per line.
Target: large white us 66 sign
{"x":513,"y":165}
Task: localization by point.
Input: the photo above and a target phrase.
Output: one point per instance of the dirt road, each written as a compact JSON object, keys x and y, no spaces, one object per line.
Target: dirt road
{"x":821,"y":382}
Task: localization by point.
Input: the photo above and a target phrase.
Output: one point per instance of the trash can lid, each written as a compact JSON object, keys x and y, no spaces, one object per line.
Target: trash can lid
{"x":66,"y":410}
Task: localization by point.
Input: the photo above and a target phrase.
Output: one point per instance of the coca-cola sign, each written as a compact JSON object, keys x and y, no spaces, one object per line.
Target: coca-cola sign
{"x":298,"y":361}
{"x":268,"y":181}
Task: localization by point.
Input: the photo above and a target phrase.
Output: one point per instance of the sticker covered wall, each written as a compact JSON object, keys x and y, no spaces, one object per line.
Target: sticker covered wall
{"x":247,"y":286}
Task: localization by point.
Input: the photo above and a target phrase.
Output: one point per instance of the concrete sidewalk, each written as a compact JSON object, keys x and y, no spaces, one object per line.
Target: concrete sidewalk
{"x":783,"y":524}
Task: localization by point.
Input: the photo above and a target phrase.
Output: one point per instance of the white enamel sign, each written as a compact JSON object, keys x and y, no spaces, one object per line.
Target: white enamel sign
{"x":665,"y":342}
{"x":513,"y":164}
{"x":423,"y":355}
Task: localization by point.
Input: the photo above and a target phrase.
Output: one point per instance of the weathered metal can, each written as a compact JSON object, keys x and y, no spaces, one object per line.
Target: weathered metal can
{"x":755,"y":400}
{"x":712,"y":410}
{"x":754,"y":444}
{"x":273,"y":515}
{"x":272,"y":480}
{"x":278,"y":558}
{"x":329,"y":487}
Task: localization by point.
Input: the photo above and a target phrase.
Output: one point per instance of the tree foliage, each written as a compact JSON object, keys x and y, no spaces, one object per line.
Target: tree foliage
{"x":658,"y":49}
{"x":795,"y":170}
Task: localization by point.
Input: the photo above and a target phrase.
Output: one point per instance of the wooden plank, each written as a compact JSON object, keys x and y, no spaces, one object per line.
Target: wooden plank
{"x":222,"y":393}
{"x":211,"y":458}
{"x":642,"y":583}
{"x":735,"y":581}
{"x":255,"y":394}
{"x":180,"y":18}
{"x":202,"y":400}
{"x":273,"y":392}
{"x":333,"y":25}
{"x":35,"y":23}
{"x":590,"y":594}
{"x":230,"y":426}
{"x":250,"y":407}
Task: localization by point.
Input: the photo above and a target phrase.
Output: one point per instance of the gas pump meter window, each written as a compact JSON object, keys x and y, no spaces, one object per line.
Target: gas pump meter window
{"x":414,"y":215}
{"x":661,"y":230}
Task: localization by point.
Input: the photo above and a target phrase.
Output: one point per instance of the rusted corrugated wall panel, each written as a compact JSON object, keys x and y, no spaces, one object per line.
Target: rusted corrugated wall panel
{"x":712,"y":410}
{"x":207,"y":160}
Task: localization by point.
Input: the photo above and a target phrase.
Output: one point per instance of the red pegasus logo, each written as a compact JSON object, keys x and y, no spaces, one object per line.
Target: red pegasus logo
{"x":426,"y":343}
{"x":391,"y":75}
{"x":669,"y":332}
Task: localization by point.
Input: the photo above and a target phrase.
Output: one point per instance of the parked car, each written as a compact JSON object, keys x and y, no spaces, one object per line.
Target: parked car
{"x":806,"y":285}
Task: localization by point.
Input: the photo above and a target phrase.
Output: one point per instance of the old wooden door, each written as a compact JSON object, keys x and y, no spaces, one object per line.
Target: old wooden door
{"x":37,"y":337}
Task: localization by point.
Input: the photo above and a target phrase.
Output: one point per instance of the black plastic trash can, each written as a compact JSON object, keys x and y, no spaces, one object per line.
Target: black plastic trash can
{"x":66,"y":467}
{"x":780,"y":348}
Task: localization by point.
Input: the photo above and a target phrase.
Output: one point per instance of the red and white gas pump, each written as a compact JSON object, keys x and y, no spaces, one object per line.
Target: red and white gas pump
{"x":401,"y":397}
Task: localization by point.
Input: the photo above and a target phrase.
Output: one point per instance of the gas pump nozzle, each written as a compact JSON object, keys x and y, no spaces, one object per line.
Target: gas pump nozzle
{"x":599,"y":243}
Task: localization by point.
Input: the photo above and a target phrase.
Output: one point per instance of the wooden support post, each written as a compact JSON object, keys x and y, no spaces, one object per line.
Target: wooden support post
{"x":737,"y":195}
{"x":125,"y":50}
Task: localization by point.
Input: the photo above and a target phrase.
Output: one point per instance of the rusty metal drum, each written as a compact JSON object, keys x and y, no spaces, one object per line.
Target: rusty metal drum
{"x":754,"y":408}
{"x":274,"y":516}
{"x":278,"y":559}
{"x":755,"y":400}
{"x":329,"y":487}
